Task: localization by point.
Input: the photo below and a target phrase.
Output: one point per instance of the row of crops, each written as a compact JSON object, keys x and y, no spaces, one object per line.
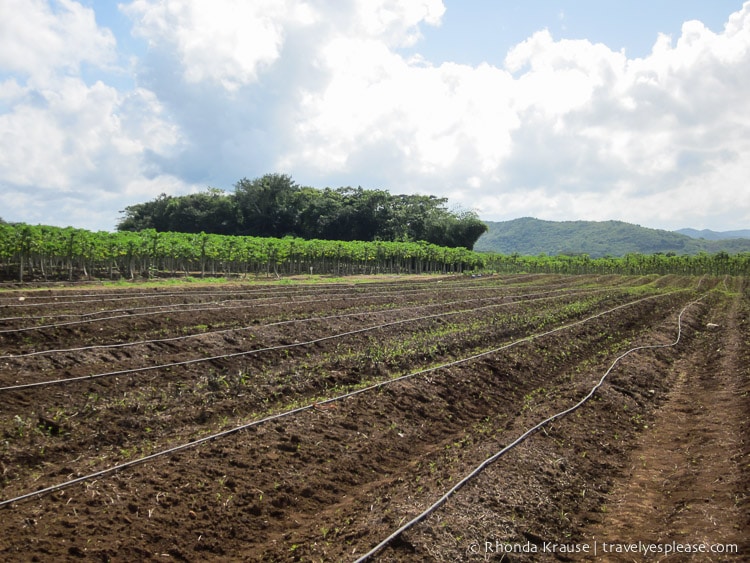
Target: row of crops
{"x":309,"y":421}
{"x":52,"y":253}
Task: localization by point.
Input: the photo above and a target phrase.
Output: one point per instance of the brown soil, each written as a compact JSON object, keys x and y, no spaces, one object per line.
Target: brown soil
{"x":687,"y":482}
{"x":659,"y":454}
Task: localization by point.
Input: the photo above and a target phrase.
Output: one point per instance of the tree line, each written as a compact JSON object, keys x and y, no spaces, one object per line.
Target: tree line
{"x":632,"y":264}
{"x":275,"y":206}
{"x":40,"y":252}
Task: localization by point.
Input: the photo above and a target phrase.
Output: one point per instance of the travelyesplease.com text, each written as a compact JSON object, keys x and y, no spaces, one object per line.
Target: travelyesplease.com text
{"x":600,"y":548}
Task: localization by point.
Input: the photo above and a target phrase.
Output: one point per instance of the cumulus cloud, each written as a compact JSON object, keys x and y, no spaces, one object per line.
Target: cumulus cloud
{"x":228,"y":41}
{"x":37,"y":38}
{"x":671,"y":128}
{"x":232,"y":42}
{"x":395,"y":22}
{"x":437,"y":119}
{"x":565,"y":129}
{"x":63,"y":134}
{"x":78,"y":147}
{"x":240,"y":96}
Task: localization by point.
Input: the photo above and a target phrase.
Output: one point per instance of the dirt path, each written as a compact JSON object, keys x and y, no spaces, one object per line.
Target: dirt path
{"x":687,"y":481}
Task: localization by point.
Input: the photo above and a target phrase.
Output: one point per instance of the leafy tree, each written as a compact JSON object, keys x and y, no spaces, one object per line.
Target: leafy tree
{"x":465,"y":230}
{"x":361,"y":214}
{"x":274,"y":206}
{"x":211,"y":211}
{"x":150,"y":215}
{"x":266,"y":205}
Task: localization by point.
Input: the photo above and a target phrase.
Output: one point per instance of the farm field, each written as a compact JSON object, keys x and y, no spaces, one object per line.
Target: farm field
{"x":293,"y":421}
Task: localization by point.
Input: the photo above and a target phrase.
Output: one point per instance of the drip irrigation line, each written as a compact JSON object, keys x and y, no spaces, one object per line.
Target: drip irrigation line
{"x":533,"y":430}
{"x":151,"y":457}
{"x":69,"y":289}
{"x":278,"y":292}
{"x":94,"y":298}
{"x":156,"y":294}
{"x":387,"y":289}
{"x":197,"y":309}
{"x":114,"y":317}
{"x":524,"y":297}
{"x":257,"y":350}
{"x":205,"y":286}
{"x":374,"y":386}
{"x":177,"y":308}
{"x":156,"y":291}
{"x":180,"y":307}
{"x":150,"y":314}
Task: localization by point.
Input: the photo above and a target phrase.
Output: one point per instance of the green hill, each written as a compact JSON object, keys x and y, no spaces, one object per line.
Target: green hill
{"x":528,"y":236}
{"x":714,"y":235}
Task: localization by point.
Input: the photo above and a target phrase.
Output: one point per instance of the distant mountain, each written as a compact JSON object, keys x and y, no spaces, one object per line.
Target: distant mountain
{"x":715,"y":235}
{"x":528,"y":236}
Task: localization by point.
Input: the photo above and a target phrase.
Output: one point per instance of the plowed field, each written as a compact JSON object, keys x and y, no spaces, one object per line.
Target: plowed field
{"x":308,"y":422}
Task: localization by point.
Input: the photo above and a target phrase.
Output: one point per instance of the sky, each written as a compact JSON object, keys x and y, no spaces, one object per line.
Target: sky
{"x":556,"y":109}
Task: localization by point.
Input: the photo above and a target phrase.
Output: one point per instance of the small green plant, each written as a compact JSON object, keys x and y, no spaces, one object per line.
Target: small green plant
{"x":21,"y":426}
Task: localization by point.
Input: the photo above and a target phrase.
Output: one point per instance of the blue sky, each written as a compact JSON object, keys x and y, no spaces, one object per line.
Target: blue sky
{"x":476,"y":31}
{"x":561,"y":110}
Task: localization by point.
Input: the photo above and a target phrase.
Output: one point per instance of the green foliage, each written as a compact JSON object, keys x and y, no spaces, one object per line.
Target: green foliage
{"x":265,"y":206}
{"x":209,"y":211}
{"x":43,"y":252}
{"x":529,"y":236}
{"x":718,"y":264}
{"x":275,"y":206}
{"x":54,"y":253}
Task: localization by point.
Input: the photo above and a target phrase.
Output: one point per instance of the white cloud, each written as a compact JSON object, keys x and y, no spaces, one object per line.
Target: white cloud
{"x":227,"y":41}
{"x":76,"y":139}
{"x":566,"y":129}
{"x":38,"y":38}
{"x":684,"y":121}
{"x":77,"y":147}
{"x":395,"y":22}
{"x":556,"y":77}
{"x":232,"y":42}
{"x":451,"y":117}
{"x":277,"y":74}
